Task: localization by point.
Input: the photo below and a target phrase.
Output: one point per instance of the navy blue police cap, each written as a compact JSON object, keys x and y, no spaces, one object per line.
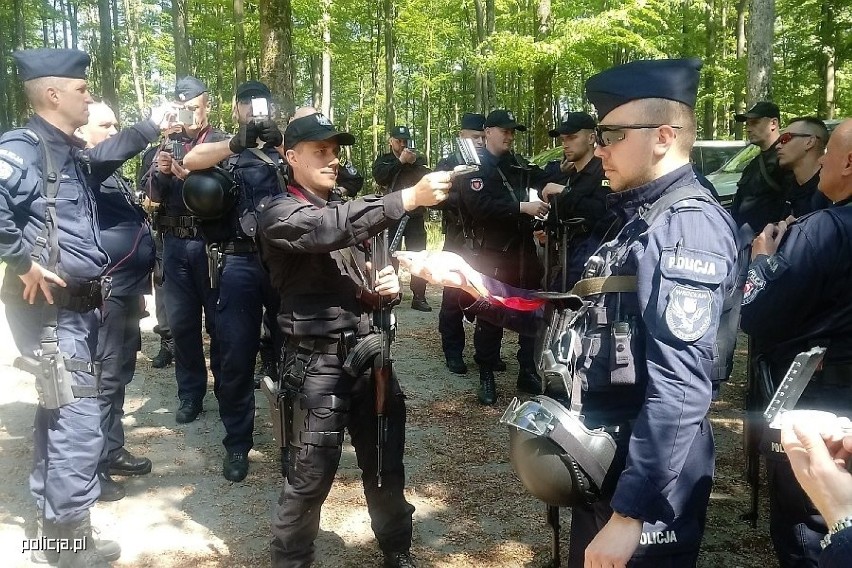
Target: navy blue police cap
{"x":44,"y":62}
{"x":473,"y":121}
{"x":671,"y":79}
{"x":253,"y":89}
{"x":188,"y":88}
{"x":573,"y":122}
{"x":503,"y":118}
{"x":400,"y":133}
{"x":314,"y":127}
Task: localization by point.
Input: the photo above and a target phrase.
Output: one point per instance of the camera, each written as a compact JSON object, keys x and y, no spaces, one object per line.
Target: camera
{"x":259,"y":108}
{"x":186,"y":117}
{"x":176,"y":149}
{"x":409,"y":144}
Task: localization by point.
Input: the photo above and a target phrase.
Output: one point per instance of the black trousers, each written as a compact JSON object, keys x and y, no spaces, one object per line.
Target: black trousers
{"x":414,"y":239}
{"x":119,"y":339}
{"x":451,"y":323}
{"x":312,"y":467}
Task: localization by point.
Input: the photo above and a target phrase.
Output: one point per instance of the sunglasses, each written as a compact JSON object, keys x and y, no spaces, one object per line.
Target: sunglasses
{"x":608,"y":134}
{"x":788,"y":136}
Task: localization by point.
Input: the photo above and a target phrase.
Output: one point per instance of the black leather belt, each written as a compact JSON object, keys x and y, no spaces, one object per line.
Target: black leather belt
{"x":241,"y":246}
{"x":82,"y":297}
{"x":313,"y":345}
{"x":181,"y":226}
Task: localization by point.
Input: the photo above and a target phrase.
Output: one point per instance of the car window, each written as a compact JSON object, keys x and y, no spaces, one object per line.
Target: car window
{"x":738,"y":163}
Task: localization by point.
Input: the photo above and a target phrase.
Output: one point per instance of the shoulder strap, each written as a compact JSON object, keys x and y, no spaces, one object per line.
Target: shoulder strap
{"x":265,"y":158}
{"x":669,"y":198}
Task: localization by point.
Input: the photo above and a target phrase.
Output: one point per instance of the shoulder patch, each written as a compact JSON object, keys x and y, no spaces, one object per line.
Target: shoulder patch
{"x":476,"y":184}
{"x":753,"y":285}
{"x":6,"y":171}
{"x":604,"y":182}
{"x":12,"y":157}
{"x":689,"y":312}
{"x":690,"y":264}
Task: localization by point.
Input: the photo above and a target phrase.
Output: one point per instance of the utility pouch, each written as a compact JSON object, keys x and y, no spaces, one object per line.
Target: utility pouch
{"x":214,"y":264}
{"x":620,"y":352}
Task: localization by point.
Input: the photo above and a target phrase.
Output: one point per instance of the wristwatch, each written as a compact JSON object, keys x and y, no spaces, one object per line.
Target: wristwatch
{"x":843,"y":523}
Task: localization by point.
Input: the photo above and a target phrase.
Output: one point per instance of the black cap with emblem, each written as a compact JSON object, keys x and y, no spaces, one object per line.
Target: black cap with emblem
{"x":503,"y":118}
{"x":672,"y":79}
{"x":473,"y":121}
{"x":762,"y":109}
{"x":400,"y":133}
{"x":253,"y":89}
{"x":188,"y":88}
{"x":37,"y":63}
{"x":314,"y":127}
{"x":573,"y":122}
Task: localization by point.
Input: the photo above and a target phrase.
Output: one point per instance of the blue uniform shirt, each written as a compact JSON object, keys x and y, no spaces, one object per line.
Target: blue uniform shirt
{"x":22,"y":203}
{"x":685,"y":265}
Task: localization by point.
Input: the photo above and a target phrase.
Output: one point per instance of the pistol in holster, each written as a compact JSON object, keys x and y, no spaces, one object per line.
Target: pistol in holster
{"x":278,"y":408}
{"x":53,"y":380}
{"x":215,"y":260}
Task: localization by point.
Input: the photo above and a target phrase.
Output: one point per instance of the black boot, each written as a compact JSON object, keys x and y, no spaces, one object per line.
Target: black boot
{"x":110,"y":489}
{"x":166,"y":355}
{"x":125,"y":463}
{"x":529,"y":381}
{"x":45,"y":529}
{"x":487,"y":393}
{"x":456,"y":364}
{"x":399,"y":560}
{"x":93,"y":553}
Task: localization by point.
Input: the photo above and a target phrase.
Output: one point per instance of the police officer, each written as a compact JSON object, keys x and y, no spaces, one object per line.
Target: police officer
{"x":126,"y":237}
{"x":762,"y":187}
{"x":243,"y":286}
{"x":800,"y":149}
{"x":497,"y":197}
{"x":394,"y":170}
{"x":314,"y":247}
{"x":450,"y":317}
{"x":51,"y":290}
{"x":185,"y":267}
{"x":655,"y":400}
{"x":581,"y":203}
{"x":797,"y":296}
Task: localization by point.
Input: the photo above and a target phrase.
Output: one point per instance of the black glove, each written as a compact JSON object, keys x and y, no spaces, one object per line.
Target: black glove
{"x":270,"y":133}
{"x":246,"y":137}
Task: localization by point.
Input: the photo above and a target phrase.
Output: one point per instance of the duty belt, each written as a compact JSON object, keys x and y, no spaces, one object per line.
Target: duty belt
{"x":84,"y":296}
{"x":313,"y":345}
{"x":181,"y":226}
{"x":240,"y":246}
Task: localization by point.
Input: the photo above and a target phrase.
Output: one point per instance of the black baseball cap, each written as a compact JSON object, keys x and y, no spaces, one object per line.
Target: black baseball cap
{"x":671,"y":79}
{"x":473,"y":121}
{"x":314,"y":127}
{"x":45,"y":62}
{"x":253,"y":89}
{"x":503,"y":118}
{"x":573,"y":122}
{"x":400,"y":133}
{"x":188,"y":88}
{"x":762,"y":109}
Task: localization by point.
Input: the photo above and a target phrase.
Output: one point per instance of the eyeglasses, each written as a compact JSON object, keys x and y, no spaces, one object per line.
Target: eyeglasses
{"x":608,"y":134}
{"x":788,"y":136}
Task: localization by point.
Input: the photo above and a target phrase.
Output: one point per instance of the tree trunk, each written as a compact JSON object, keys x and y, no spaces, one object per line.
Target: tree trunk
{"x":739,"y":96}
{"x":542,"y":86}
{"x":760,"y":31}
{"x":75,"y":30}
{"x":117,"y":54}
{"x":239,"y":42}
{"x":828,"y":59}
{"x":106,"y":56}
{"x":6,"y":94}
{"x":131,"y":21}
{"x":709,"y":122}
{"x":183,"y":65}
{"x":276,"y":32}
{"x":316,"y":80}
{"x":491,"y":86}
{"x":390,"y":46}
{"x":480,"y":96}
{"x":64,"y":24}
{"x":326,"y":60}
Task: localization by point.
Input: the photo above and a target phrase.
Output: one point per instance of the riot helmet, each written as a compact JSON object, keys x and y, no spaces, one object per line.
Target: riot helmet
{"x":209,"y":194}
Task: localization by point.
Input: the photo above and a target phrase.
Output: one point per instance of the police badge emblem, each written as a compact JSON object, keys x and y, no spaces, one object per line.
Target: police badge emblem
{"x":688,"y":312}
{"x":754,"y":284}
{"x":321,"y":119}
{"x":476,"y":184}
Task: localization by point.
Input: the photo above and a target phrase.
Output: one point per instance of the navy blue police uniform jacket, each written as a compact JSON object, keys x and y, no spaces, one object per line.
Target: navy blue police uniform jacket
{"x":801,"y":296}
{"x":23,"y":206}
{"x":685,"y":265}
{"x":838,"y":554}
{"x":301,"y":240}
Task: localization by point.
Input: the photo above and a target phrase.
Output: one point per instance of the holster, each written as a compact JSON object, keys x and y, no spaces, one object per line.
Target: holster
{"x":280,"y":410}
{"x":53,"y":380}
{"x":214,"y":264}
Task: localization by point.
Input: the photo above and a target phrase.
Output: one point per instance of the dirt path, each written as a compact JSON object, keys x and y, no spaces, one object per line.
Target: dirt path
{"x":471,"y":509}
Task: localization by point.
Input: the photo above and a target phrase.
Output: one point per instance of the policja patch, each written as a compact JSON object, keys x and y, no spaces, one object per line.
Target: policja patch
{"x":688,"y":313}
{"x":476,"y":184}
{"x":6,"y":171}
